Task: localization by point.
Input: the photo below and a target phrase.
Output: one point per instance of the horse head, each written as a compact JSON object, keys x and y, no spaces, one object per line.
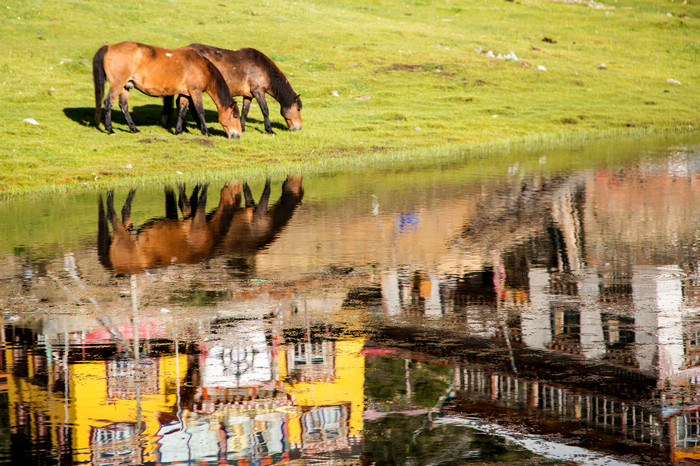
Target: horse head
{"x":292,"y":114}
{"x":230,"y":119}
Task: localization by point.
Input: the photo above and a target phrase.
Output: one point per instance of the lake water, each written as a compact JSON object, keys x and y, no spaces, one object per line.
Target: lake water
{"x":544,"y":310}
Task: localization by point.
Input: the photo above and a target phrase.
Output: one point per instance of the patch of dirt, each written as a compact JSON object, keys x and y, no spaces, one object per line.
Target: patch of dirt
{"x":151,"y":140}
{"x":204,"y":142}
{"x":404,"y":67}
{"x":590,"y":3}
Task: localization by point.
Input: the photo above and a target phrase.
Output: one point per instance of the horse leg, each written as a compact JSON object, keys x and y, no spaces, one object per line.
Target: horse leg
{"x":194,"y":198}
{"x":108,"y":113}
{"x":111,"y":213}
{"x":199,"y":110}
{"x":261,"y":209}
{"x":124,"y":105}
{"x":182,"y":105}
{"x":195,"y":116}
{"x":249,"y":201}
{"x":260,"y":97}
{"x":200,"y":213}
{"x":115,"y":88}
{"x":118,"y":227}
{"x":167,"y":111}
{"x":127,"y":221}
{"x":244,"y":111}
{"x":170,"y":204}
{"x":183,"y":202}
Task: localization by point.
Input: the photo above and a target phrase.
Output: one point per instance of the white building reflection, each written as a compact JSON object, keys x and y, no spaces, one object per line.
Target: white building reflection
{"x":240,"y":358}
{"x":649,"y":333}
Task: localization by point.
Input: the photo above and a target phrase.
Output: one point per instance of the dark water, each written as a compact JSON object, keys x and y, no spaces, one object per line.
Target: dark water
{"x":542,"y":311}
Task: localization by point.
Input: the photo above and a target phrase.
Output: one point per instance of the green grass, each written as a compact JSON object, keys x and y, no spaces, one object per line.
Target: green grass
{"x":409,"y":83}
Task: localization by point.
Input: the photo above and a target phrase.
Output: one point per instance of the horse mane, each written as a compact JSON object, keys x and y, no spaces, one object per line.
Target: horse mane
{"x":279,"y":84}
{"x":222,"y":89}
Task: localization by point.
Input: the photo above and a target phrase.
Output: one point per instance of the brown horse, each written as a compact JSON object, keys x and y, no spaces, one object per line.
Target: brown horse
{"x":229,"y":230}
{"x":160,"y":72}
{"x":251,"y":74}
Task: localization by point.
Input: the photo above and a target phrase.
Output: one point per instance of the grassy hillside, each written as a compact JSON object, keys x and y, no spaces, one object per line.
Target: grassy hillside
{"x":381,"y":82}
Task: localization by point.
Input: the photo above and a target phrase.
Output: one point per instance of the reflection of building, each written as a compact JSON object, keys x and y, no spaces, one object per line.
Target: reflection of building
{"x":248,"y":416}
{"x":239,"y":358}
{"x":311,"y":361}
{"x":256,"y":432}
{"x":563,"y":408}
{"x":233,"y":406}
{"x":116,"y":444}
{"x":127,"y":379}
{"x":325,"y":429}
{"x":591,"y":271}
{"x":587,"y":283}
{"x":547,"y":392}
{"x":326,"y":379}
{"x":98,"y":410}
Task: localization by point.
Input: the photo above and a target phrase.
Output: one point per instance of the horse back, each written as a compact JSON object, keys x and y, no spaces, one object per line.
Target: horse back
{"x":150,"y":67}
{"x":243,"y":69}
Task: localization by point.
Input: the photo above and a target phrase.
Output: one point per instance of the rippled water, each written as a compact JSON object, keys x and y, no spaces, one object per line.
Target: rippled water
{"x":540,"y":311}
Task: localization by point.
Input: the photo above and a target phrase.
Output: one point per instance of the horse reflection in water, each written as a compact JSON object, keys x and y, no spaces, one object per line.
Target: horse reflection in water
{"x":231,"y":229}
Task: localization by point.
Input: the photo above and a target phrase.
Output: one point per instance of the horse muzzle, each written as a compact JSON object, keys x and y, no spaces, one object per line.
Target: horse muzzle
{"x":233,"y":134}
{"x":295,"y":127}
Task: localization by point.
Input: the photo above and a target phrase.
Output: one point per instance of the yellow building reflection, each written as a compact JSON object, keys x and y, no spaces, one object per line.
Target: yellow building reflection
{"x":308,"y":399}
{"x":107,"y":405}
{"x":326,"y":378}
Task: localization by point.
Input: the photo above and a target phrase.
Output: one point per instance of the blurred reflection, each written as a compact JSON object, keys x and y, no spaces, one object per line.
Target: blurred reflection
{"x":228,"y":400}
{"x":229,"y":230}
{"x":400,"y":324}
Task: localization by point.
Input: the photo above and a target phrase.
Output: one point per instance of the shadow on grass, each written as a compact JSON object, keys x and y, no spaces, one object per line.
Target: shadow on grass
{"x":150,"y":115}
{"x":143,"y":116}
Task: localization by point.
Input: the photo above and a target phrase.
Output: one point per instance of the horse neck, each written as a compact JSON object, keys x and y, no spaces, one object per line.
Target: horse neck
{"x":213,"y":92}
{"x":282,"y":91}
{"x":218,"y":90}
{"x":279,"y":88}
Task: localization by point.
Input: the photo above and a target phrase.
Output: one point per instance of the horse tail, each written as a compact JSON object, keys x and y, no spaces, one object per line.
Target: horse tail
{"x":98,"y":76}
{"x":104,"y":240}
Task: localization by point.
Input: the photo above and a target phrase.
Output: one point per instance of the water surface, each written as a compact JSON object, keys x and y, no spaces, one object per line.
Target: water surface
{"x":543,"y":310}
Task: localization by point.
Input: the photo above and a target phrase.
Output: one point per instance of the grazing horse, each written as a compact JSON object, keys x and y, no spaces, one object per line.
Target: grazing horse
{"x":160,"y":72}
{"x":229,"y":230}
{"x":251,"y":74}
